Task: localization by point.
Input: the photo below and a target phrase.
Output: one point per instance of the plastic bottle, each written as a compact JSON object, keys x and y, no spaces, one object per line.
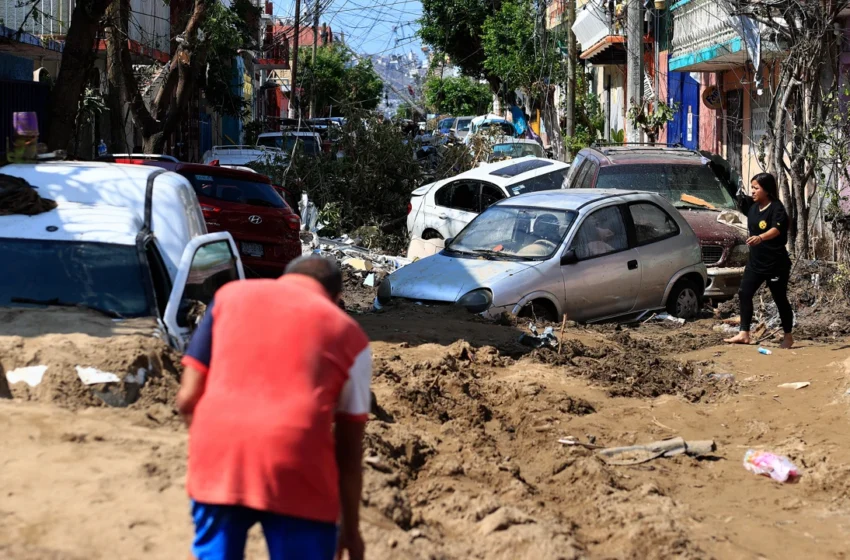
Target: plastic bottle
{"x":101,"y":148}
{"x":777,"y":467}
{"x":765,"y":351}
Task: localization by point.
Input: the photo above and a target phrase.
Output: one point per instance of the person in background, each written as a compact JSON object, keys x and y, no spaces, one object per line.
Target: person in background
{"x":769,"y":262}
{"x":276,"y":395}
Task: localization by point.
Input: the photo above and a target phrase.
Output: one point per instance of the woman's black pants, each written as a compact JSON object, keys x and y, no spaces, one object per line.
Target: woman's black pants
{"x":778,"y":285}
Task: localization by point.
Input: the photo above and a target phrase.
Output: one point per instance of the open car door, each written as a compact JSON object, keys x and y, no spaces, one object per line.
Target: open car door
{"x":208,"y":263}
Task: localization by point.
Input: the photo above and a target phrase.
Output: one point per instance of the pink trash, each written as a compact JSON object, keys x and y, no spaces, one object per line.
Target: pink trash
{"x":777,"y":467}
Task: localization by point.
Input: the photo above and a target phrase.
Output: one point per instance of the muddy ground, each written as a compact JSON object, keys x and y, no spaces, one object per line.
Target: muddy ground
{"x":463,"y":459}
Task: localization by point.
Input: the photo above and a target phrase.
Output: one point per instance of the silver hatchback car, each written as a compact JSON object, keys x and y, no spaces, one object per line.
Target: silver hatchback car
{"x":594,"y":255}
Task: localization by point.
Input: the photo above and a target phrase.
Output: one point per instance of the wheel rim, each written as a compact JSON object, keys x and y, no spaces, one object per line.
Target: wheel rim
{"x":687,"y":303}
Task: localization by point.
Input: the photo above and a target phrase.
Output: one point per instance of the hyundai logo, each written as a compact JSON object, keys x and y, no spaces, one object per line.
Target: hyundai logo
{"x":255,"y":219}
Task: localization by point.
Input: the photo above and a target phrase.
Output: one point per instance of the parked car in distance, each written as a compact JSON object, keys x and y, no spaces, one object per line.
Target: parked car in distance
{"x":440,"y":210}
{"x":285,"y":141}
{"x":491,"y":125}
{"x":127,"y":241}
{"x":235,"y":156}
{"x":594,"y":255}
{"x":136,"y":158}
{"x":681,"y":176}
{"x":246,"y":204}
{"x":515,"y":148}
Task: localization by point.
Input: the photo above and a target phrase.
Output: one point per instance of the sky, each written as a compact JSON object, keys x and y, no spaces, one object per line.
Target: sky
{"x":370,"y":26}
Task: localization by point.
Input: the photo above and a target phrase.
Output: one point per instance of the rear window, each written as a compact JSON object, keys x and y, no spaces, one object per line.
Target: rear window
{"x":698,"y":184}
{"x":518,"y":150}
{"x":235,"y":190}
{"x":548,"y":182}
{"x":463,"y":124}
{"x":287,"y":143}
{"x":521,"y":167}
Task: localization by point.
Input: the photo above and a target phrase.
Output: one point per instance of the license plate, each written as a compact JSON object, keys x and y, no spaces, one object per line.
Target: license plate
{"x":252,"y":249}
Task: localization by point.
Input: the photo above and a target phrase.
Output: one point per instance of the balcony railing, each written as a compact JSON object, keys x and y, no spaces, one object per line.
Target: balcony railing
{"x":700,"y":24}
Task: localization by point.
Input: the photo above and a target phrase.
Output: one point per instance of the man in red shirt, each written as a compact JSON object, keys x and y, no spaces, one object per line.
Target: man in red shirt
{"x":276,"y":393}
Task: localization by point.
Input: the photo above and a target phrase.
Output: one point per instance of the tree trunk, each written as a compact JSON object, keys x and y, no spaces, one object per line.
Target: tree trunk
{"x":801,"y":241}
{"x":78,"y":59}
{"x":115,"y":31}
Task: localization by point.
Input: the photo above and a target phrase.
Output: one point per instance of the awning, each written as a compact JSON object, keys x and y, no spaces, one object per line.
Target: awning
{"x":611,"y":50}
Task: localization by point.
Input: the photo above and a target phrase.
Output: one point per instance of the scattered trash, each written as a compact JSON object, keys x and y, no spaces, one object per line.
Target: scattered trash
{"x":795,"y":386}
{"x":92,"y":376}
{"x":535,"y":340}
{"x":139,"y":378}
{"x":357,"y":264}
{"x":722,"y":376}
{"x":777,"y":467}
{"x":765,"y":351}
{"x":572,"y":440}
{"x":664,"y":317}
{"x":370,"y":280}
{"x":31,"y":375}
{"x":637,"y":454}
{"x":725,"y":329}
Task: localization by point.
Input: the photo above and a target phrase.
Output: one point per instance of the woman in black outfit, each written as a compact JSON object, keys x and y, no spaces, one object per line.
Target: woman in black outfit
{"x":769,"y":261}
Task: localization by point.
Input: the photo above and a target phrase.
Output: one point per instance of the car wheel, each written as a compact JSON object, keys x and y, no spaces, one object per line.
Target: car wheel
{"x":684,"y":301}
{"x":431,"y":234}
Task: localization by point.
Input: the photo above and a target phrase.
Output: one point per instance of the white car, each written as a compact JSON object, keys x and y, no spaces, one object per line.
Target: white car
{"x":515,"y":148}
{"x":441,"y":210}
{"x":124,"y":240}
{"x":311,"y":142}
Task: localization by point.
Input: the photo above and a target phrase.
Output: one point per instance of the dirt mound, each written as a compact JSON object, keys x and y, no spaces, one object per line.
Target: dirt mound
{"x":357,"y":296}
{"x":146,"y":369}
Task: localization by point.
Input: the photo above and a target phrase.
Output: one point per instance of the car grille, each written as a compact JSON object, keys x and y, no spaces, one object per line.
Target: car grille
{"x":711,"y":254}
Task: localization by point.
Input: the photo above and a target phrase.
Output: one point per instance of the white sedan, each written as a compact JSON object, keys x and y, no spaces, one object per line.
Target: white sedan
{"x":441,"y":210}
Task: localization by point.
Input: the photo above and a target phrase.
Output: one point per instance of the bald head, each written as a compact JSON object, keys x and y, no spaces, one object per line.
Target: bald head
{"x":324,"y":271}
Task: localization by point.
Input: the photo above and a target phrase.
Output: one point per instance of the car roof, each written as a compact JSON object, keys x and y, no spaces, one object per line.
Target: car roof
{"x":214,"y":170}
{"x":571,"y":199}
{"x":636,"y":155}
{"x":96,"y":201}
{"x":287,"y":133}
{"x":495,"y":172}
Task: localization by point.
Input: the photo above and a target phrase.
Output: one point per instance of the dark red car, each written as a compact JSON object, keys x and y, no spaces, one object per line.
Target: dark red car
{"x":693,"y":184}
{"x":247,"y":206}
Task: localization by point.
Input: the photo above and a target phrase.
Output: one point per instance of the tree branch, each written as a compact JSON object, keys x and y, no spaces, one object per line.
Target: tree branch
{"x":133,"y":92}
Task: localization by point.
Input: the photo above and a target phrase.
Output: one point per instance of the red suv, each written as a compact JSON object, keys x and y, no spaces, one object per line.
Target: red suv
{"x":247,"y":206}
{"x":693,"y":184}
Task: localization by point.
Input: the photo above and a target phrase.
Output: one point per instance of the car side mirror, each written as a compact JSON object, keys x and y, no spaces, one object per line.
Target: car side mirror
{"x":569,"y":257}
{"x":448,"y":241}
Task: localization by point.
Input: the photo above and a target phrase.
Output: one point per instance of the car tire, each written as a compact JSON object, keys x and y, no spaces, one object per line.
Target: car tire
{"x":431,"y":234}
{"x":684,"y":300}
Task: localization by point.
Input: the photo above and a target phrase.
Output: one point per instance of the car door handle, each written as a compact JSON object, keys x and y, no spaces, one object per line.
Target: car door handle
{"x":633,"y":265}
{"x":443,"y":217}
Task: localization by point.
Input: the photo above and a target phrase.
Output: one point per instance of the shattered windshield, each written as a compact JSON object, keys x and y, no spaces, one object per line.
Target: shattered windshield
{"x":518,"y":150}
{"x":510,"y":232}
{"x":686,"y":186}
{"x":101,"y":276}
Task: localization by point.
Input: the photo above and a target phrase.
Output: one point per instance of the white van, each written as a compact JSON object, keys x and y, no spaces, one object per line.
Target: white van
{"x":124,"y":240}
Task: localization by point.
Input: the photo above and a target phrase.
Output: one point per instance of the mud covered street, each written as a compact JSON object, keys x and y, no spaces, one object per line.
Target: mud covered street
{"x":463,"y":459}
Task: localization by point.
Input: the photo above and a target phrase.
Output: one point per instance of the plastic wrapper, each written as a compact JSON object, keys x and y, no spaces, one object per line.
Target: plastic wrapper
{"x":777,"y":467}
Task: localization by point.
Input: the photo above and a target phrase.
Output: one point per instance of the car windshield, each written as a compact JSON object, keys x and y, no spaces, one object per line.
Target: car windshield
{"x":686,"y":186}
{"x":497,"y":128}
{"x":463,"y":124}
{"x":101,"y":276}
{"x":445,"y":125}
{"x":510,"y":232}
{"x":518,"y":150}
{"x":547,"y":182}
{"x":235,"y":190}
{"x":287,"y":143}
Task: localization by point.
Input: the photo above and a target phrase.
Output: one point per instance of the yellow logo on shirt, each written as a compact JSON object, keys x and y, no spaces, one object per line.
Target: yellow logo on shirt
{"x":763,"y":224}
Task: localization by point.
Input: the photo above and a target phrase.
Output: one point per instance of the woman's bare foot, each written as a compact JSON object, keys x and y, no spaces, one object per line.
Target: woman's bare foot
{"x":787,"y":342}
{"x":742,"y":337}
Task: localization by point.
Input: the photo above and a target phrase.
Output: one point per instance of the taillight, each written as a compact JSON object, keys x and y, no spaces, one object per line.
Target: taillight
{"x":210,"y":211}
{"x":409,"y":207}
{"x":293,"y":221}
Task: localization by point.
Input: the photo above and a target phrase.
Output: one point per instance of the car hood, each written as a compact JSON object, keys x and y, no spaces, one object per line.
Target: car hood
{"x":709,"y":229}
{"x":443,"y":277}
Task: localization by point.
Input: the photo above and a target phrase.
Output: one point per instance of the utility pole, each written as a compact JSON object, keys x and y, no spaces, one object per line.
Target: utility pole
{"x":315,"y":47}
{"x":293,"y":75}
{"x":634,"y":60}
{"x":572,"y":61}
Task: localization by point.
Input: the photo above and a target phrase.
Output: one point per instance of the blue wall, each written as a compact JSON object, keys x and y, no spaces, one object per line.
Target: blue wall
{"x":15,"y":68}
{"x":231,"y":127}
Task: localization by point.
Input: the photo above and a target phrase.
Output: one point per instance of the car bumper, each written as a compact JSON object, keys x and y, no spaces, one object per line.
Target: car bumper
{"x":723,"y":282}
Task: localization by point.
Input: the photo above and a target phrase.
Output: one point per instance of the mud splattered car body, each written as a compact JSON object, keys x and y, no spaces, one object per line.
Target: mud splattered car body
{"x":684,"y":177}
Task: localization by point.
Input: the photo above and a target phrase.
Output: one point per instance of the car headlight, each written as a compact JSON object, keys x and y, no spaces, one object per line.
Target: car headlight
{"x":385,"y":292}
{"x":738,"y":255}
{"x":477,"y":301}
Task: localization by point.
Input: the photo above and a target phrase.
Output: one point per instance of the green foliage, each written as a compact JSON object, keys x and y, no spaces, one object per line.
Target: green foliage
{"x":513,"y":51}
{"x":618,"y":136}
{"x":457,"y":96}
{"x":643,"y":116}
{"x":454,"y":28}
{"x":371,"y":185}
{"x":405,"y":111}
{"x":252,"y":130}
{"x":225,"y":31}
{"x":342,"y":83}
{"x":590,"y":119}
